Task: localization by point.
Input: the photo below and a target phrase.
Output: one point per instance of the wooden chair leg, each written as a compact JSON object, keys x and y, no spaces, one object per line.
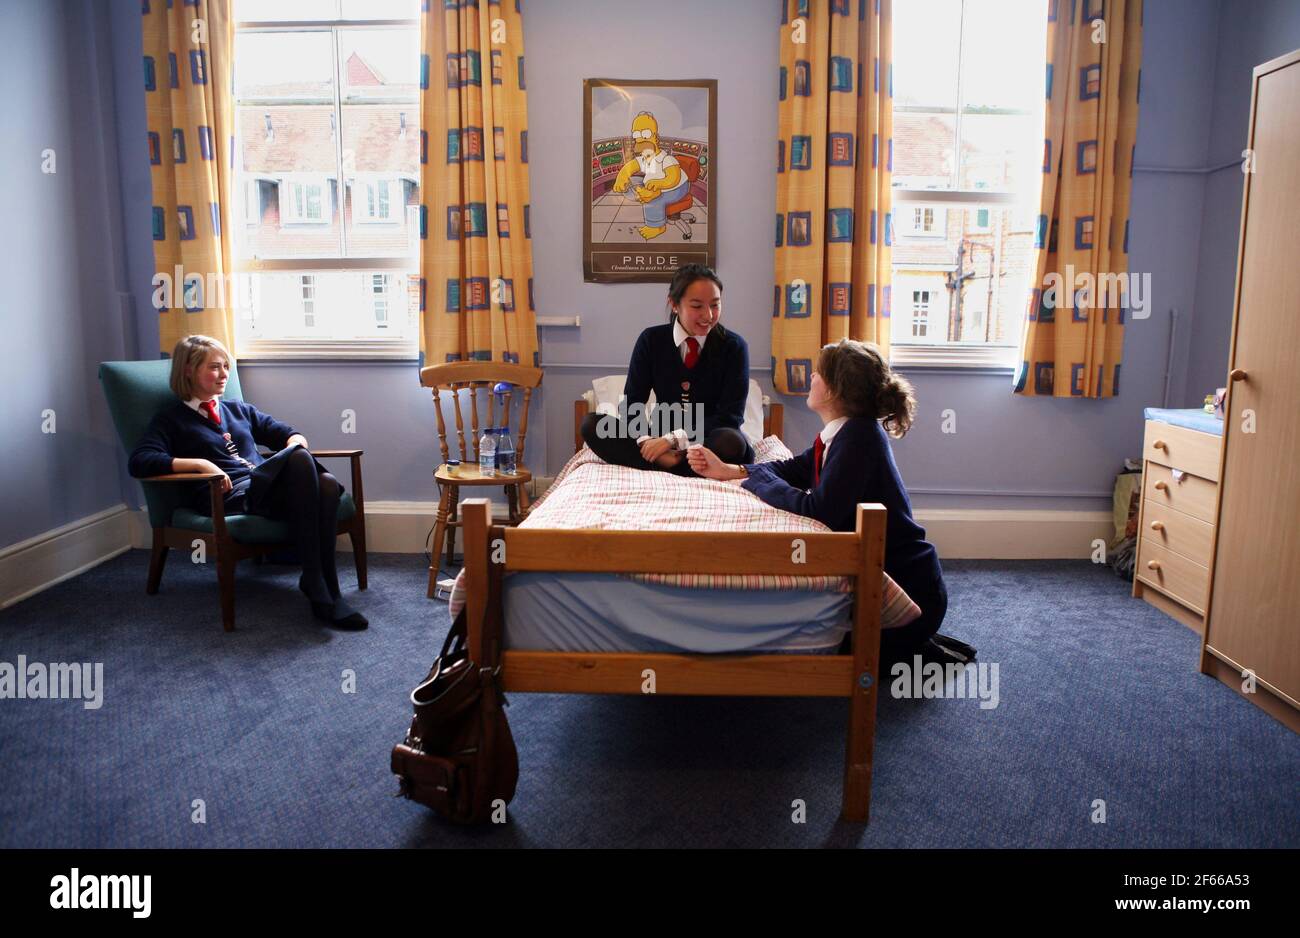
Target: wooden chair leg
{"x":524,"y":503}
{"x":226,"y":581}
{"x":454,"y":504}
{"x":357,"y":534}
{"x":157,"y":558}
{"x":439,"y":532}
{"x":512,"y":499}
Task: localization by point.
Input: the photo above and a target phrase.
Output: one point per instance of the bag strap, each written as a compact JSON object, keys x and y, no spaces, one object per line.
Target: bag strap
{"x":457,"y":635}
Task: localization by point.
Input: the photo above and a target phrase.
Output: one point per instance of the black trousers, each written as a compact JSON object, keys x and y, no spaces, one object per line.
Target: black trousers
{"x":621,"y":449}
{"x":305,"y":496}
{"x":901,"y":643}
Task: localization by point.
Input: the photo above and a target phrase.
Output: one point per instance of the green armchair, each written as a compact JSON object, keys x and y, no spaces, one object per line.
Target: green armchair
{"x":138,"y":390}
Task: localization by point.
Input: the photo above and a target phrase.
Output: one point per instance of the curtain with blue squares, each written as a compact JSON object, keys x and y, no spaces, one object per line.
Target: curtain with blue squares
{"x":834,"y":168}
{"x":476,"y":258}
{"x":1073,"y":334}
{"x":188,"y":48}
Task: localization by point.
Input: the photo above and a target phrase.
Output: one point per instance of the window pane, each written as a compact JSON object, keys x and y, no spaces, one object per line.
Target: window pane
{"x":292,"y":66}
{"x":272,"y":11}
{"x":381,"y":162}
{"x":926,"y":42}
{"x":993,"y":75}
{"x":379,"y":64}
{"x":990,"y":266}
{"x":289,"y":152}
{"x":380,"y":9}
{"x":330,"y":304}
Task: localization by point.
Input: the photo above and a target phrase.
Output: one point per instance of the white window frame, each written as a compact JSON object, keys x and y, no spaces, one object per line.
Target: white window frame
{"x":379,"y":299}
{"x":907,"y":197}
{"x":307,"y":284}
{"x":295,"y":200}
{"x":921,"y":299}
{"x":368,"y":186}
{"x":376,"y":347}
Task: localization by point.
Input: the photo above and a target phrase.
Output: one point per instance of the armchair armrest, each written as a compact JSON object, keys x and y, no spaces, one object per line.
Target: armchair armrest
{"x":214,"y":493}
{"x":183,"y":477}
{"x":358,"y":495}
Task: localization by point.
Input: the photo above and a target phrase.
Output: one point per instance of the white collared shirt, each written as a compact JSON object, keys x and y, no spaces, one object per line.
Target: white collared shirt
{"x":680,"y":336}
{"x":828,"y":434}
{"x":193,"y":404}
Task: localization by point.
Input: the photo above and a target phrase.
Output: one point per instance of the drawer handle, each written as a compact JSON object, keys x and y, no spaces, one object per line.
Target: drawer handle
{"x":1157,"y":526}
{"x":1162,"y":486}
{"x":1237,"y":374}
{"x":1160,"y":444}
{"x":1153,"y":565}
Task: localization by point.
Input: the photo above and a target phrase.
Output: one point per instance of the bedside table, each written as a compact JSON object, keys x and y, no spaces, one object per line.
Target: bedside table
{"x":1176,"y":518}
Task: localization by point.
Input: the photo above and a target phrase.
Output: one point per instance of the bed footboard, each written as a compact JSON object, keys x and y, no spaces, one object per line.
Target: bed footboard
{"x":859,"y":554}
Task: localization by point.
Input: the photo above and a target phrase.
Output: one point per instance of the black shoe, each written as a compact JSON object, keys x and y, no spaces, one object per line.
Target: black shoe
{"x":954,"y":647}
{"x":340,"y":616}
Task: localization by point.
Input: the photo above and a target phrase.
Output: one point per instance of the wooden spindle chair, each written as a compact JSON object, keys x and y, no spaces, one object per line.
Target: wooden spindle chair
{"x":453,"y":378}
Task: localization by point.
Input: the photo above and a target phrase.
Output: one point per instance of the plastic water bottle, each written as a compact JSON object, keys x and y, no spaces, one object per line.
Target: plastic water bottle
{"x":487,"y":453}
{"x":505,"y":452}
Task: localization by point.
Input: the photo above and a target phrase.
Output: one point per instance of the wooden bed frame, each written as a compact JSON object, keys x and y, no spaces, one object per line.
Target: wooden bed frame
{"x":860,"y":554}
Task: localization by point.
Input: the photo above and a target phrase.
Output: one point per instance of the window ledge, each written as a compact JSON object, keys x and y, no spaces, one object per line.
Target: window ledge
{"x":976,"y":359}
{"x":285,"y":350}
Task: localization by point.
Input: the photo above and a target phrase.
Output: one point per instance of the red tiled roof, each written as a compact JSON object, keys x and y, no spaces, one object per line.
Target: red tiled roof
{"x":302,"y":139}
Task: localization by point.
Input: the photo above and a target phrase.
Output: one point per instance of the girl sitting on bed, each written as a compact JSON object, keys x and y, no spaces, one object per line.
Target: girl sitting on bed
{"x":199,"y":432}
{"x":690,"y":361}
{"x":854,"y":391}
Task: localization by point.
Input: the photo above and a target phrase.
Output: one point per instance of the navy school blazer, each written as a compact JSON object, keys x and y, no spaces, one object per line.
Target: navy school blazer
{"x":858,"y":467}
{"x":719,"y":380}
{"x":177,"y":431}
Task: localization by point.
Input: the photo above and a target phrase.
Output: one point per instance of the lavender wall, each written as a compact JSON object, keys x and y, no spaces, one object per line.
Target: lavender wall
{"x":1008,"y":451}
{"x":1250,"y":33}
{"x":60,"y":264}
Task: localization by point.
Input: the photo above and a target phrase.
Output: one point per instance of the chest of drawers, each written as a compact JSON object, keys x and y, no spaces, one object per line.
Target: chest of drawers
{"x":1176,"y":520}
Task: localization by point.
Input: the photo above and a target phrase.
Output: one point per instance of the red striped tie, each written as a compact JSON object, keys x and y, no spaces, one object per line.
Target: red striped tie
{"x":692,"y":351}
{"x":819,"y":447}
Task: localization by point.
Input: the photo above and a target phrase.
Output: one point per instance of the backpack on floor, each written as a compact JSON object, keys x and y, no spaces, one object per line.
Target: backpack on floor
{"x":459,"y":757}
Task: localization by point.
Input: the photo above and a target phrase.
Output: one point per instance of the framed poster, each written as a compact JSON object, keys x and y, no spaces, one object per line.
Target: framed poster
{"x":649,"y":186}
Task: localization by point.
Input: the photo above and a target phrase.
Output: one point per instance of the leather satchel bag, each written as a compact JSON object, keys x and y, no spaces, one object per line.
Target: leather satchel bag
{"x":459,"y":756}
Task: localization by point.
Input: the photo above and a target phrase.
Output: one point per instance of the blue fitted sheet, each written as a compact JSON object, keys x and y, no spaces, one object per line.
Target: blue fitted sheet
{"x":605,"y":612}
{"x":1192,"y":419}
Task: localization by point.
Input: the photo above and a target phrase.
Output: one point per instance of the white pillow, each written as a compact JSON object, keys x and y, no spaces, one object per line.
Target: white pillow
{"x":605,"y":393}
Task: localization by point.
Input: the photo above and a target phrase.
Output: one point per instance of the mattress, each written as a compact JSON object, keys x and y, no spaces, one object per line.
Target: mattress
{"x":605,"y":612}
{"x":1192,"y":419}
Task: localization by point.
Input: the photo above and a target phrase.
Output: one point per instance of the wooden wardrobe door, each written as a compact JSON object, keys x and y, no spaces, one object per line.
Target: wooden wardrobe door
{"x":1254,"y":615}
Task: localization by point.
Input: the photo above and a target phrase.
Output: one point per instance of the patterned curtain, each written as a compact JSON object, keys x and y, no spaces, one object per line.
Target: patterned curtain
{"x":188,"y":50}
{"x":834,"y":162}
{"x":1093,"y":79}
{"x":476,"y":259}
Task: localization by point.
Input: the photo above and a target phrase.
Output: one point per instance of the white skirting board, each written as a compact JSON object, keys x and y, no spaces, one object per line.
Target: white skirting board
{"x":400,"y":527}
{"x":958,"y":533}
{"x":40,"y":562}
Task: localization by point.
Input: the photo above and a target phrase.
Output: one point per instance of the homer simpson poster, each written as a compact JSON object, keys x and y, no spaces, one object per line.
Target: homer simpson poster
{"x":649,"y":180}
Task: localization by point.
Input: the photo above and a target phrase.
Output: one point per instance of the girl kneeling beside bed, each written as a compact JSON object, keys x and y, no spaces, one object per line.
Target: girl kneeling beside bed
{"x":858,"y":398}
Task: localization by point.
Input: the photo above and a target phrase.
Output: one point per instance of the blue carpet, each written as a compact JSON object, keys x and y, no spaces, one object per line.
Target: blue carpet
{"x":1099,"y":699}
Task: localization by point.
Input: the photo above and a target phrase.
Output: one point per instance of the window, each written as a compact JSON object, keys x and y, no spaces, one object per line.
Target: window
{"x":378,"y":206}
{"x":967,"y":152}
{"x":301,"y":202}
{"x":920,"y":313}
{"x":308,"y":301}
{"x":379,"y":299}
{"x":327,"y":147}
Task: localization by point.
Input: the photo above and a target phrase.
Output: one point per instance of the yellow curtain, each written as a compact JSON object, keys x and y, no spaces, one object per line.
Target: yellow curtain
{"x":835,"y":160}
{"x":1074,"y":324}
{"x":188,"y":49}
{"x":476,"y":259}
